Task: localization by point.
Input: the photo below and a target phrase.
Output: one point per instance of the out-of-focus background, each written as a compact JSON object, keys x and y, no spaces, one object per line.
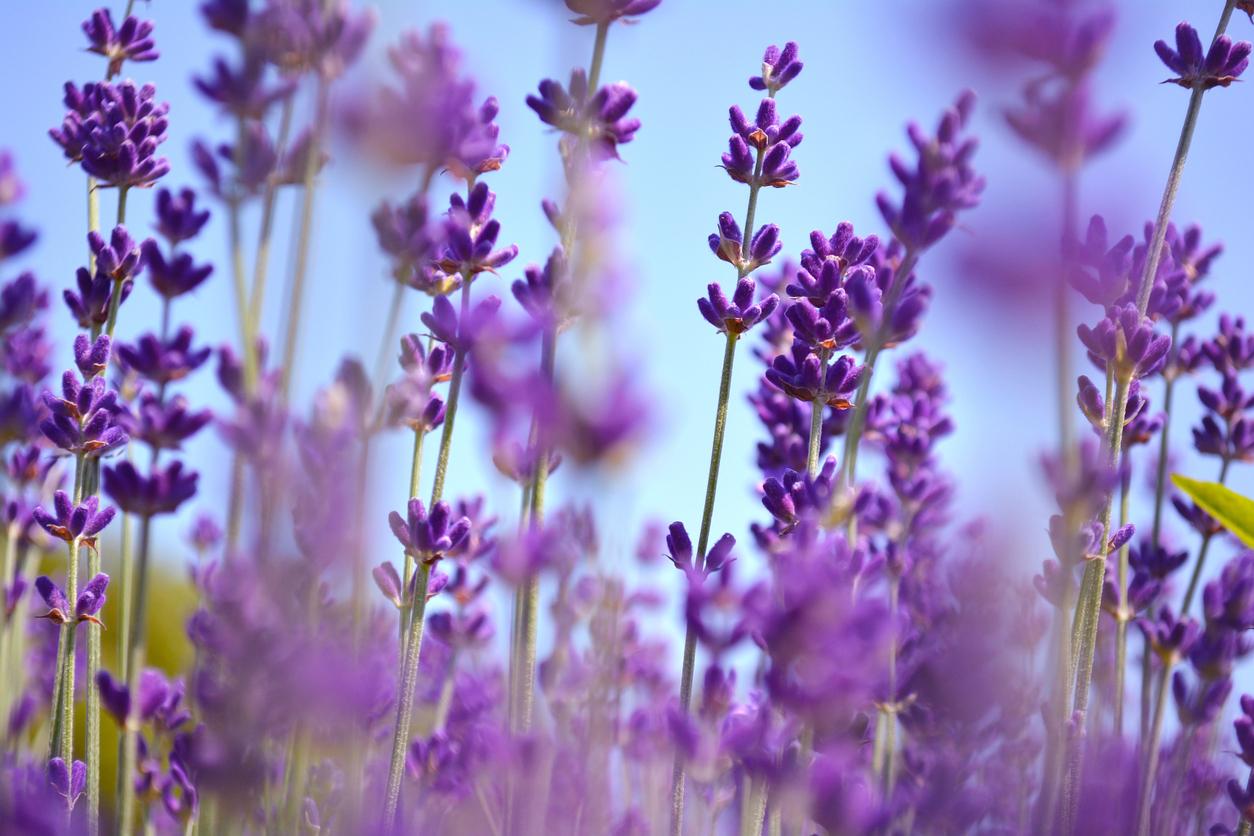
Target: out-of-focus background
{"x":870,"y":68}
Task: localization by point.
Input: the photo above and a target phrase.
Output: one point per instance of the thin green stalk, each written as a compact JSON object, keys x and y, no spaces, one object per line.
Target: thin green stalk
{"x":12,"y":681}
{"x":134,"y":665}
{"x":415,"y":477}
{"x":526,"y":669}
{"x":248,"y":347}
{"x":127,"y":600}
{"x":816,"y":419}
{"x":1196,"y":577}
{"x":890,"y":715}
{"x":707,"y":515}
{"x":1121,"y":622}
{"x":1150,"y":772}
{"x":261,"y":261}
{"x":751,"y":824}
{"x":1160,"y":476}
{"x":63,"y":685}
{"x":1244,"y":828}
{"x":69,"y":634}
{"x":93,"y":220}
{"x":296,"y":303}
{"x":1090,"y":611}
{"x":413,"y":642}
{"x":1080,"y":705}
{"x":857,"y":421}
{"x":405,"y":700}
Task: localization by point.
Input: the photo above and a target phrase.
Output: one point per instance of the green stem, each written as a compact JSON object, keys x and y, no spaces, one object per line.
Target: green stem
{"x":261,"y":261}
{"x":1150,"y":772}
{"x":415,"y":477}
{"x":890,"y":715}
{"x":1160,"y":476}
{"x":816,"y":418}
{"x":857,"y":422}
{"x":707,"y":515}
{"x":296,"y":303}
{"x":1121,"y":621}
{"x":248,"y":347}
{"x":93,"y":220}
{"x":134,"y":665}
{"x":63,"y":685}
{"x":413,"y":642}
{"x":405,"y":699}
{"x":751,"y":824}
{"x":1075,"y":760}
{"x":1196,"y":577}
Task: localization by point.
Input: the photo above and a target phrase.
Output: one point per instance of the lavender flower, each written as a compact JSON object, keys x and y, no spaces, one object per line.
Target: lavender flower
{"x":779,"y":66}
{"x":90,"y":601}
{"x":1219,"y":66}
{"x":429,"y":537}
{"x":132,"y":41}
{"x":737,"y":316}
{"x":71,"y":522}
{"x":83,"y":419}
{"x":605,"y":12}
{"x":598,"y":118}
{"x":161,"y":492}
{"x":114,"y":130}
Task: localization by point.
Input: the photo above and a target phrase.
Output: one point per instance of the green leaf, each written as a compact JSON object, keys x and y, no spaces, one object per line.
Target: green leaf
{"x":1234,"y":512}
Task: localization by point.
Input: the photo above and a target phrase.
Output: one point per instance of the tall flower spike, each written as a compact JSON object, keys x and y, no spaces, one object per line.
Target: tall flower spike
{"x":1219,"y":66}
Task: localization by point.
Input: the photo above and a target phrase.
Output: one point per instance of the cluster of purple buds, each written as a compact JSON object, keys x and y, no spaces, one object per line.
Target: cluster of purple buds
{"x":429,"y":537}
{"x":114,"y":131}
{"x":83,"y":421}
{"x":770,"y":162}
{"x":90,"y":601}
{"x":1198,"y":69}
{"x":132,"y":41}
{"x":595,"y":118}
{"x":178,"y":220}
{"x":103,"y":291}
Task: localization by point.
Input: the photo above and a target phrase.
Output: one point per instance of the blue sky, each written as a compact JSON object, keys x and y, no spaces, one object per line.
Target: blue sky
{"x":870,"y":67}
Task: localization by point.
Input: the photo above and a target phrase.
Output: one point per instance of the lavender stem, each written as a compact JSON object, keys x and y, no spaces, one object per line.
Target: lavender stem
{"x":707,"y":514}
{"x":261,"y":261}
{"x":1151,"y":752}
{"x":1201,"y":552}
{"x":134,"y":663}
{"x":301,"y":269}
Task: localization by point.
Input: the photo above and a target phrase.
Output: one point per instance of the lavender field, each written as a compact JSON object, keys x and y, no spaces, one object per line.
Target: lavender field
{"x":626,"y":417}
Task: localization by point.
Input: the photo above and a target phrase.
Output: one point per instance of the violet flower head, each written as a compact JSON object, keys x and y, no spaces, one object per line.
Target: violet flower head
{"x":164,"y":362}
{"x":827,"y":326}
{"x":117,"y":136}
{"x":779,"y":66}
{"x":598,"y":118}
{"x":1126,"y":340}
{"x":132,"y":41}
{"x":542,"y":291}
{"x":843,"y":249}
{"x":470,"y":236}
{"x":175,"y":276}
{"x":1063,"y":126}
{"x":1231,"y":350}
{"x":21,"y":300}
{"x":90,"y":601}
{"x":89,"y":304}
{"x":14,"y":238}
{"x":67,"y":783}
{"x":772,"y":139}
{"x":92,"y":356}
{"x":681,"y":553}
{"x":312,"y":36}
{"x":71,"y":522}
{"x":728,"y":245}
{"x":605,"y":12}
{"x":800,"y":374}
{"x":941,"y":184}
{"x":406,"y":232}
{"x":1169,"y":636}
{"x":1219,"y":66}
{"x":741,"y":313}
{"x":243,"y":91}
{"x":1096,"y":267}
{"x":164,"y":424}
{"x":428,"y":537}
{"x":83,"y":421}
{"x":458,"y":332}
{"x":178,"y":218}
{"x":120,"y":258}
{"x":161,"y":492}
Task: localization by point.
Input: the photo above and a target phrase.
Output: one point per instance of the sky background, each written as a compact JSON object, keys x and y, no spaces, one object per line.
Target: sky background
{"x":870,"y":67}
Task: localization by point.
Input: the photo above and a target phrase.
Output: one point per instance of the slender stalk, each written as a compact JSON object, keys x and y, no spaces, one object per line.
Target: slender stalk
{"x":413,"y":642}
{"x":261,"y":261}
{"x":857,"y":422}
{"x":707,"y":515}
{"x":1151,"y":766}
{"x":1085,"y":673}
{"x":415,"y":477}
{"x":1160,"y":476}
{"x":296,"y":302}
{"x":751,"y":824}
{"x":530,"y":599}
{"x":63,"y":685}
{"x":248,"y":347}
{"x":1121,"y":621}
{"x":890,"y":715}
{"x":93,"y":220}
{"x":134,"y":664}
{"x":1196,"y":577}
{"x":816,"y":419}
{"x":405,"y":699}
